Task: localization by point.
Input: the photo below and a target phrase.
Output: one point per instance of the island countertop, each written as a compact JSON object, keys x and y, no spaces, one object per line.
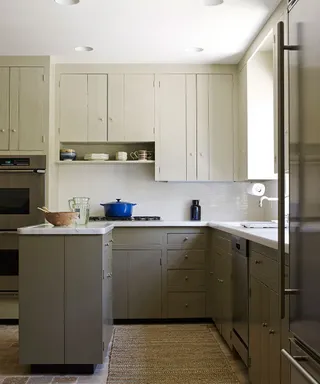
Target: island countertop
{"x":100,"y":228}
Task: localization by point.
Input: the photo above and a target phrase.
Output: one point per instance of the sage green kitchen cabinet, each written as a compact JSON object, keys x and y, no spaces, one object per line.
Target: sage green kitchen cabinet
{"x":171,"y":107}
{"x":22,"y":94}
{"x":120,"y":284}
{"x":131,"y":112}
{"x":264,"y":329}
{"x":4,"y":108}
{"x":137,"y":284}
{"x":83,"y":108}
{"x":144,"y":284}
{"x":220,"y":287}
{"x":69,"y":288}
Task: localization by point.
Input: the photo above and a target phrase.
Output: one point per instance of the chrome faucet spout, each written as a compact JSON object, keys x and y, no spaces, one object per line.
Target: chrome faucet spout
{"x":266,"y":198}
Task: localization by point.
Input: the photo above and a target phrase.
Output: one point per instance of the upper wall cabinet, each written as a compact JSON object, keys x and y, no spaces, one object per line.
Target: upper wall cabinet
{"x":22,"y":95}
{"x":257,"y":115}
{"x":83,"y":108}
{"x":131,"y":107}
{"x":194,"y":128}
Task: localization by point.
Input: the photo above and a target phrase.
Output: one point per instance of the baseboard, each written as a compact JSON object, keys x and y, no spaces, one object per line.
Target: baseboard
{"x":203,"y":320}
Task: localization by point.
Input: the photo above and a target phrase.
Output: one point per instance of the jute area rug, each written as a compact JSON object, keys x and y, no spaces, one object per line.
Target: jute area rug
{"x":178,"y":354}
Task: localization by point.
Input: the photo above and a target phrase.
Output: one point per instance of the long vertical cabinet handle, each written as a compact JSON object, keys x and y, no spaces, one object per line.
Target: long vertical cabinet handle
{"x":281,"y":161}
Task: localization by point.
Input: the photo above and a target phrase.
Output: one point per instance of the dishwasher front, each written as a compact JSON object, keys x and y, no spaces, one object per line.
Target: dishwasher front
{"x":240,"y":290}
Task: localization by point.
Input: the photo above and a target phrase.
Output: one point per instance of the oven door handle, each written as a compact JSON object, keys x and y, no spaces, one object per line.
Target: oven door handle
{"x":40,"y":171}
{"x":9,"y":294}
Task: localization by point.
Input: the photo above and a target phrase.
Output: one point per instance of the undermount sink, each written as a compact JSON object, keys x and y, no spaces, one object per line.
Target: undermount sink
{"x":260,"y":224}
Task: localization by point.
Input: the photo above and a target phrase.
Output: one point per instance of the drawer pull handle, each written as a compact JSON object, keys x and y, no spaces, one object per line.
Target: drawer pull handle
{"x":111,"y":241}
{"x":186,"y":257}
{"x":187,"y":305}
{"x":186,"y":238}
{"x":186,"y":278}
{"x":271,"y":331}
{"x":258,"y":262}
{"x":106,"y":244}
{"x":211,"y":273}
{"x":264,"y":325}
{"x":220,"y":281}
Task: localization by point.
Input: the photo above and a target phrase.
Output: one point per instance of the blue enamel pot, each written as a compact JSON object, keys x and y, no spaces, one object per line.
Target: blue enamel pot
{"x":118,"y":208}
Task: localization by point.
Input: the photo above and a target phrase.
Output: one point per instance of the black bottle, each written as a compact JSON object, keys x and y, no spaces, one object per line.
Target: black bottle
{"x":195,"y":211}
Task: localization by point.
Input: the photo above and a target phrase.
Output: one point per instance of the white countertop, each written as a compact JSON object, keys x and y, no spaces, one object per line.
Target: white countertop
{"x":100,"y":228}
{"x":264,"y":236}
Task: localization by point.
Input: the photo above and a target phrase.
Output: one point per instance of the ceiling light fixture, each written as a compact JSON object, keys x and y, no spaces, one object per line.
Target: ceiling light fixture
{"x":194,"y":49}
{"x":67,"y":2}
{"x":213,"y":2}
{"x":83,"y":49}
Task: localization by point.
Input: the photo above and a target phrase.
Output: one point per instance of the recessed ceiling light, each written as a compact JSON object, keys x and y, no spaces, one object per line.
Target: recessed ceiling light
{"x":194,"y":49}
{"x":83,"y":49}
{"x":213,"y":2}
{"x":67,"y":2}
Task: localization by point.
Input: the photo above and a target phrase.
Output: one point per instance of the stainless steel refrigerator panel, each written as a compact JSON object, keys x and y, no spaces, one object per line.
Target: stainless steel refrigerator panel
{"x":304,"y":121}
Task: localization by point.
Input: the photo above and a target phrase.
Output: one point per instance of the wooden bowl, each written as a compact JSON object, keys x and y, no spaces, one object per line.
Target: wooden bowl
{"x":59,"y":219}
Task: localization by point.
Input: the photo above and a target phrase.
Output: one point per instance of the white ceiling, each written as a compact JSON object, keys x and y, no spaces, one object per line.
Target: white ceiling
{"x":132,"y":31}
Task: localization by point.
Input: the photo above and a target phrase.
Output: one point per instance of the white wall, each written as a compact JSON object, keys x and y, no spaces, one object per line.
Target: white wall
{"x":171,"y":201}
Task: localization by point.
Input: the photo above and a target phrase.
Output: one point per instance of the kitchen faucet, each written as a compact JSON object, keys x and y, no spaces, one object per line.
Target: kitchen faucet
{"x":266,"y":198}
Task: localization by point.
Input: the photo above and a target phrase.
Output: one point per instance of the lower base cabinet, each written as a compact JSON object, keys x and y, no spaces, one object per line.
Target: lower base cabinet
{"x":264,"y":334}
{"x":137,"y":284}
{"x":184,"y":305}
{"x":65,"y":299}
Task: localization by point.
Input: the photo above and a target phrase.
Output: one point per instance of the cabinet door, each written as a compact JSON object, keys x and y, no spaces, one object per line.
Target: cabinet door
{"x":31,"y":98}
{"x":41,"y":303}
{"x":139,"y":118}
{"x":26,"y":109}
{"x":274,"y":339}
{"x":218,"y":291}
{"x":191,"y":127}
{"x":107,"y":296}
{"x":227,"y":299}
{"x":242,"y":125}
{"x":73,"y":108}
{"x":120,"y":284}
{"x":83,"y":289}
{"x":144,"y":284}
{"x":210,"y":301}
{"x":4,"y":109}
{"x":255,"y":330}
{"x":97,"y":107}
{"x":171,"y":155}
{"x":203,"y":126}
{"x":116,"y":129}
{"x":221,"y":145}
{"x":265,"y":336}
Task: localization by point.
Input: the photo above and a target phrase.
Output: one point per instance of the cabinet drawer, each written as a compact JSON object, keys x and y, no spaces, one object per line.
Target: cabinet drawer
{"x":187,"y":240}
{"x":180,"y":259}
{"x":186,"y":280}
{"x":265,"y":270}
{"x":137,"y":237}
{"x":186,"y":305}
{"x":223,"y":243}
{"x":265,"y":251}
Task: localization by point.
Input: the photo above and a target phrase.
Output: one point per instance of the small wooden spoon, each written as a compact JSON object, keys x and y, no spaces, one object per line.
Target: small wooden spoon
{"x":44,"y":209}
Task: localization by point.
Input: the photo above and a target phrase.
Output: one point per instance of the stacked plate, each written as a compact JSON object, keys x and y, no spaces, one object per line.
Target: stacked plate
{"x":96,"y":156}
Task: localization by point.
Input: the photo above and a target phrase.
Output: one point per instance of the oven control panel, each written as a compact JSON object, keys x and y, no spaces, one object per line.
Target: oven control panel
{"x":15,"y":162}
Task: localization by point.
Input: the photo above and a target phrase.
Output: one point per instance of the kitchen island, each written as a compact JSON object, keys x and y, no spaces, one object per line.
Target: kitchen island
{"x":65,"y":297}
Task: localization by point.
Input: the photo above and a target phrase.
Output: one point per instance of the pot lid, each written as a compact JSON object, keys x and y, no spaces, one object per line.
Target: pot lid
{"x":120,"y":202}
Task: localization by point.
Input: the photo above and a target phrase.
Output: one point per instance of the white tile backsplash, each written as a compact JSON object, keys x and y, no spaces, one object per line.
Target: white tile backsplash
{"x":135,"y":183}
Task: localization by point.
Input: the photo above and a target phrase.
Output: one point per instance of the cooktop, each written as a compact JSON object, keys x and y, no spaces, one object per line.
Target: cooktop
{"x":131,"y":218}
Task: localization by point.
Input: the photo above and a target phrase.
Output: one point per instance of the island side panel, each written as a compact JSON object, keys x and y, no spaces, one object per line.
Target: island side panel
{"x":41,"y":299}
{"x":83,"y":299}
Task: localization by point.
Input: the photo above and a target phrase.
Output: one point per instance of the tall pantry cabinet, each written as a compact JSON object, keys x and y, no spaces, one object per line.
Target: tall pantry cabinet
{"x":22,"y":94}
